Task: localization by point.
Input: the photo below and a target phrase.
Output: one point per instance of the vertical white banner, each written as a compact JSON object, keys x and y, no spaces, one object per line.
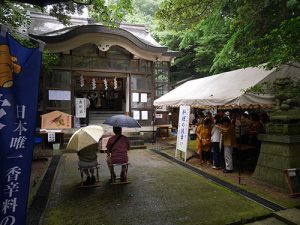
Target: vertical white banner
{"x":80,"y":108}
{"x":183,"y":129}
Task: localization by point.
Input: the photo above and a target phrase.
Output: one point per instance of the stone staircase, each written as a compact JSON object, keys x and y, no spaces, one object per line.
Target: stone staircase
{"x":135,"y":140}
{"x":98,"y":117}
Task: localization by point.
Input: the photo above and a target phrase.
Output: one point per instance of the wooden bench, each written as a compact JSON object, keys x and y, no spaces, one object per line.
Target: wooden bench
{"x":97,"y":175}
{"x":125,"y":178}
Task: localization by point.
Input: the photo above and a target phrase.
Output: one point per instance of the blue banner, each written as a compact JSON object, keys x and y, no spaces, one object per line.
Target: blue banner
{"x":19,"y":82}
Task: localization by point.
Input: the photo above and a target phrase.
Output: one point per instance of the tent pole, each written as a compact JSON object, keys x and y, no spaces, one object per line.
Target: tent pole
{"x":153,"y":124}
{"x":239,"y":144}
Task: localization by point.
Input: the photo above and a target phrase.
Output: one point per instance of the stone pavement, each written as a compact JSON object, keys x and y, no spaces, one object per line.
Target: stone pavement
{"x":160,"y":192}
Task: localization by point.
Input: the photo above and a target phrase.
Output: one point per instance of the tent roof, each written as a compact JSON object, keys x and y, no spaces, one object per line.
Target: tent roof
{"x":225,"y":90}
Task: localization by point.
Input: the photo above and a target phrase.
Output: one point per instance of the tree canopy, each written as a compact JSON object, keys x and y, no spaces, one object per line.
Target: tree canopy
{"x":214,"y":35}
{"x":16,"y":15}
{"x":143,"y":12}
{"x":221,"y":35}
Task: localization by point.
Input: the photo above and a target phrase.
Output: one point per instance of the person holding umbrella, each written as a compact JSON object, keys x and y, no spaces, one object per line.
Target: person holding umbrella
{"x":117,"y":147}
{"x":85,"y":142}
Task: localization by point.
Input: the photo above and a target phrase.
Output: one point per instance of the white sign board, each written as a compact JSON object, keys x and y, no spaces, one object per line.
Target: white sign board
{"x":136,"y":115}
{"x":51,"y":137}
{"x":135,"y":97}
{"x":59,"y":95}
{"x":158,"y":116}
{"x":143,"y":97}
{"x":161,"y":108}
{"x":183,"y":129}
{"x":144,"y":115}
{"x":80,"y":109}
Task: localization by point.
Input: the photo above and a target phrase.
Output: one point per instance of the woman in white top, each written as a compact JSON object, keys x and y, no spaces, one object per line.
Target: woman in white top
{"x":216,"y":141}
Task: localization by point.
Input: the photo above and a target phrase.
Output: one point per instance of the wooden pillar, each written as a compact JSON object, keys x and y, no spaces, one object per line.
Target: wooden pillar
{"x":127,"y":104}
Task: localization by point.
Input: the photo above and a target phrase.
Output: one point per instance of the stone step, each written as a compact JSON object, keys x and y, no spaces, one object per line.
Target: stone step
{"x":98,"y":117}
{"x":283,"y":217}
{"x":134,"y":139}
{"x":132,"y":134}
{"x":289,"y":216}
{"x":106,"y":112}
{"x":268,"y":221}
{"x":138,"y":147}
{"x":136,"y":142}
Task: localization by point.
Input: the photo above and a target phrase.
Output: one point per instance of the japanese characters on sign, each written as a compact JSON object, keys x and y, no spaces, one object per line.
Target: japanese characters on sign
{"x":51,"y":137}
{"x":56,"y":120}
{"x":80,"y":107}
{"x":19,"y":81}
{"x":183,"y":128}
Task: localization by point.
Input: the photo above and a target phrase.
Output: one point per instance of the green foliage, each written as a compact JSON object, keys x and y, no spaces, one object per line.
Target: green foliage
{"x":261,"y":88}
{"x":62,"y":11}
{"x":229,"y":34}
{"x":183,"y":14}
{"x":287,"y":42}
{"x":286,"y":90}
{"x":143,"y":12}
{"x":49,"y":60}
{"x":110,"y":12}
{"x":14,"y":15}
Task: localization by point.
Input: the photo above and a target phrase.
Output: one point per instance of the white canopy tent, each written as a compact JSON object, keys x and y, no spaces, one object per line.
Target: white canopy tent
{"x":226,"y":90}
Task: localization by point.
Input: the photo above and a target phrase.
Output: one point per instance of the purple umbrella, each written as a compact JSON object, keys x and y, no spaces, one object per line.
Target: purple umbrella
{"x":121,"y":121}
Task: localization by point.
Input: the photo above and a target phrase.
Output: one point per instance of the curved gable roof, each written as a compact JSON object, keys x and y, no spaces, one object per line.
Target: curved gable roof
{"x":100,"y":29}
{"x":134,"y":38}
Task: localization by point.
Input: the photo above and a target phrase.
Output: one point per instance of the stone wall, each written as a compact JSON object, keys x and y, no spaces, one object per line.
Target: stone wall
{"x":277,"y":153}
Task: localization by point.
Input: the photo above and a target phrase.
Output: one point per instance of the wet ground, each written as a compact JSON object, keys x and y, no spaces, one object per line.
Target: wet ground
{"x":160,"y":192}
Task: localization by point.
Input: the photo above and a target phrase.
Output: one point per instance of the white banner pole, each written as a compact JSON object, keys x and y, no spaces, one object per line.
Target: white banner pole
{"x":183,"y":130}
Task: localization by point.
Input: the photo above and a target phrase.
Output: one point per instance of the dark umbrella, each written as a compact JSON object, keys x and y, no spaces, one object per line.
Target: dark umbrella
{"x":121,"y":121}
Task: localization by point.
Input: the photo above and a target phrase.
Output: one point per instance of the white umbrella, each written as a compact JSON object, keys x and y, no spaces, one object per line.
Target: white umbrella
{"x":85,"y":137}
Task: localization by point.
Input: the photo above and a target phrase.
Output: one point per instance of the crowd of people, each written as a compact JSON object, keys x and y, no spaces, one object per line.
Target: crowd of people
{"x":218,"y":135}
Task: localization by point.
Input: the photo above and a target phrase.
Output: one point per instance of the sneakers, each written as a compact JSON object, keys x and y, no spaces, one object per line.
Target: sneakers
{"x":216,"y":168}
{"x":227,"y":171}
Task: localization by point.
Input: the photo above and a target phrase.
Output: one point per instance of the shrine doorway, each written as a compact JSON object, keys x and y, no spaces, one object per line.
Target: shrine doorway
{"x":106,"y":93}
